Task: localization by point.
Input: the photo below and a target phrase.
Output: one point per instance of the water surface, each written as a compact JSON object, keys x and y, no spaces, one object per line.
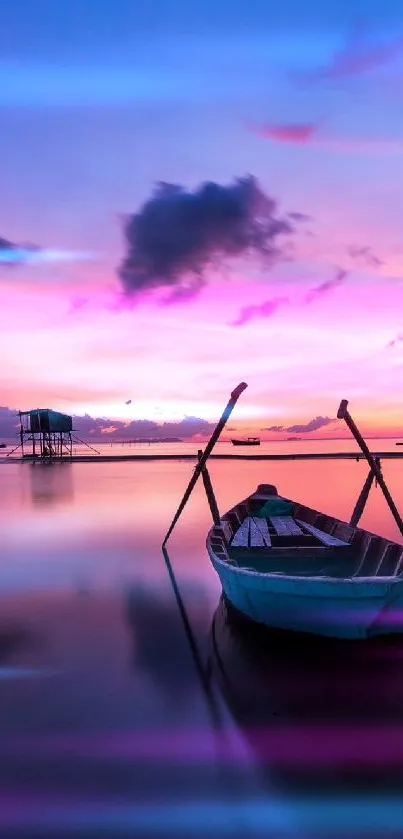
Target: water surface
{"x":105,"y":727}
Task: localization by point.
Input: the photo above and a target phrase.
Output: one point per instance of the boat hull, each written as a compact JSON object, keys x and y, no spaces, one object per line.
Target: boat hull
{"x":350,"y":609}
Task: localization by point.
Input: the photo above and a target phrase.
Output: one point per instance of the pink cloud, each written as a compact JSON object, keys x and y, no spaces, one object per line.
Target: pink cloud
{"x":261,"y":310}
{"x":313,"y":425}
{"x":114,"y":301}
{"x":286,"y":132}
{"x":365,"y":255}
{"x":323,"y":288}
{"x":269,"y":307}
{"x":78,"y":303}
{"x":307,"y":134}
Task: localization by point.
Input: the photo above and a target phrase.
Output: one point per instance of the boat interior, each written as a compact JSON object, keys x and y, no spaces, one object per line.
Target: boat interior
{"x":306,"y":543}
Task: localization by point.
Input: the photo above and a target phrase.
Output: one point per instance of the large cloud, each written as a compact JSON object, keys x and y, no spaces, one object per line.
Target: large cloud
{"x":177,"y":235}
{"x":142,"y":429}
{"x":312,"y":425}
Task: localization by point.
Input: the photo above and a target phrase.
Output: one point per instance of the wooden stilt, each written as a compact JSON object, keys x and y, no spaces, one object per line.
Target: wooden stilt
{"x":206,"y":454}
{"x":209,"y":491}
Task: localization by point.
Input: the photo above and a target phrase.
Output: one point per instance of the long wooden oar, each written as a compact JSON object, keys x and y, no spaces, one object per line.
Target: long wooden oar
{"x":206,"y":454}
{"x":343,"y":413}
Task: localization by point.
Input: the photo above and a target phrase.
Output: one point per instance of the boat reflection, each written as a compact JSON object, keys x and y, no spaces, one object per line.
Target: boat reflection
{"x":322,"y":716}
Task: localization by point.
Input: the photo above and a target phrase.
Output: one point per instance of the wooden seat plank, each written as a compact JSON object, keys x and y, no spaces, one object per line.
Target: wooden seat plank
{"x":285,"y":526}
{"x":256,"y":536}
{"x":261,"y":525}
{"x":241,"y":537}
{"x":325,"y":538}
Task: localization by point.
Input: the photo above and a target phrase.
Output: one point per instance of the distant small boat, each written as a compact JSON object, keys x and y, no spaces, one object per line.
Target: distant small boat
{"x":399,"y":444}
{"x":3,"y":445}
{"x":250,"y":441}
{"x":298,"y":569}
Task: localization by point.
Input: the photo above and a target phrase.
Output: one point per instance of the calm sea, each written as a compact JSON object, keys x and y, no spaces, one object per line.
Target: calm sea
{"x":111,"y":725}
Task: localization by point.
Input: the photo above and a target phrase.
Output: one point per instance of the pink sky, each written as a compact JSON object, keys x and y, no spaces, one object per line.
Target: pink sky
{"x":177,"y":361}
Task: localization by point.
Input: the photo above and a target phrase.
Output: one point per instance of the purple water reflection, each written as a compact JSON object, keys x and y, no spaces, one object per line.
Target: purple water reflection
{"x":112,"y":710}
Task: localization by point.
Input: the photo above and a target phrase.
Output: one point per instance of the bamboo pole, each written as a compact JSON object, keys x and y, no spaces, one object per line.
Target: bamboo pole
{"x":209,"y":491}
{"x":210,"y":445}
{"x":363,"y":497}
{"x":343,"y":413}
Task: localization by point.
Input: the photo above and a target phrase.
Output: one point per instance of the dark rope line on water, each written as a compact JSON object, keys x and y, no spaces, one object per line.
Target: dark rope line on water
{"x":195,"y":652}
{"x":101,"y":458}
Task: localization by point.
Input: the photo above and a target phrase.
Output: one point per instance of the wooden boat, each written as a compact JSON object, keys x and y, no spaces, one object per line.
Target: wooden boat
{"x":399,"y":443}
{"x":250,"y":441}
{"x":292,"y":567}
{"x":307,"y":571}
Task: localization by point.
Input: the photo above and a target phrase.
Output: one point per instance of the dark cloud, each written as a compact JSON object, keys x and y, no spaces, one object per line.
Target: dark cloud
{"x":11,"y":254}
{"x":261,"y":310}
{"x":177,"y":235}
{"x":184,"y":293}
{"x":327,"y":286}
{"x":146,"y":429}
{"x":273,"y":428}
{"x":299,"y":217}
{"x":312,"y":425}
{"x":365,"y":255}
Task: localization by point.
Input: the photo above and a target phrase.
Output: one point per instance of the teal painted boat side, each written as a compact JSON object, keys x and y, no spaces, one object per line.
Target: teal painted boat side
{"x":338,"y":606}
